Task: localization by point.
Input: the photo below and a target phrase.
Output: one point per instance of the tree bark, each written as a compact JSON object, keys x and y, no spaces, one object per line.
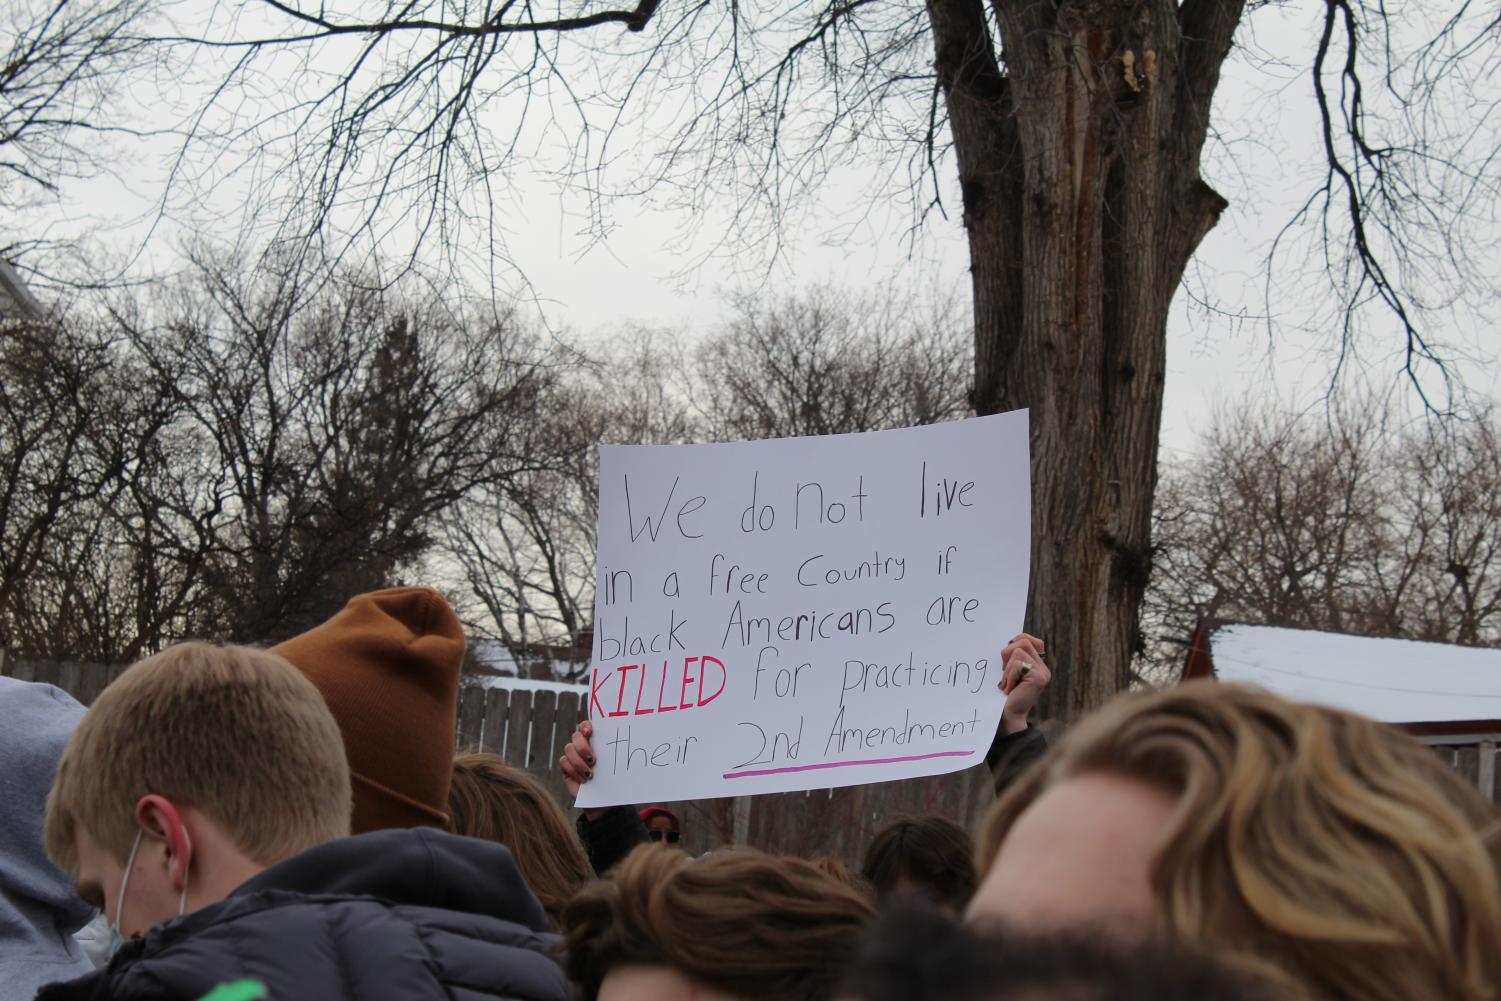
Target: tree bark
{"x":1078,"y":149}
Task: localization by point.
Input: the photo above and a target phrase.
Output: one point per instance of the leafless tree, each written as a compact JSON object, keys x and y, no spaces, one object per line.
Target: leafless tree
{"x":86,"y":455}
{"x":1077,"y":129}
{"x":62,"y":64}
{"x":235,"y":457}
{"x":1346,"y":524}
{"x":52,"y":383}
{"x":526,"y":546}
{"x":332,"y":423}
{"x":820,"y":363}
{"x":817,"y":362}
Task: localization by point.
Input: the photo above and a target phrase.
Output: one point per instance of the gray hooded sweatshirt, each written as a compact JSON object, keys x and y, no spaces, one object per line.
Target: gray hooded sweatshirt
{"x":39,"y":912}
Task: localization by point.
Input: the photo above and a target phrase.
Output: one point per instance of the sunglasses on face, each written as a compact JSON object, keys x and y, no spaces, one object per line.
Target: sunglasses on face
{"x":671,"y":836}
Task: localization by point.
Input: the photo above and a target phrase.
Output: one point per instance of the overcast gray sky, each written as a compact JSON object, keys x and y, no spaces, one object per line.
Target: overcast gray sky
{"x":650,"y":269}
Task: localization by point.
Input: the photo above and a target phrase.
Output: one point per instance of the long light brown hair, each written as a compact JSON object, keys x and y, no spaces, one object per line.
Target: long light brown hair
{"x":491,"y":800}
{"x":745,"y":923}
{"x":1331,"y":855}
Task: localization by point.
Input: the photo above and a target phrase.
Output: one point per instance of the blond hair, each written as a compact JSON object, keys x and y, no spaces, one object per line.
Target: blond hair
{"x":1330,"y":855}
{"x":491,"y":800}
{"x":236,"y":732}
{"x":748,"y":924}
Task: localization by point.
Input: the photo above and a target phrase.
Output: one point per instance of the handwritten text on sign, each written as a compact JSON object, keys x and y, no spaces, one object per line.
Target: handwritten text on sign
{"x":804,"y":613}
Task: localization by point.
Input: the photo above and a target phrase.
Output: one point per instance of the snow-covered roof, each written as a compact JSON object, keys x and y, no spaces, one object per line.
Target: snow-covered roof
{"x":515,"y":684}
{"x":1393,"y":680}
{"x":495,"y":655}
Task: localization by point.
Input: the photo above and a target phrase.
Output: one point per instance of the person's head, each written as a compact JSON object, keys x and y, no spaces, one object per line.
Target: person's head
{"x":928,"y":856}
{"x":196,"y":769}
{"x":662,"y":825}
{"x":491,"y":800}
{"x":738,"y":925}
{"x":1331,"y":854}
{"x":915,"y":953}
{"x":388,"y":665}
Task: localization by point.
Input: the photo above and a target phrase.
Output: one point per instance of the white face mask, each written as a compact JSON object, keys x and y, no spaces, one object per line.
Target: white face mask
{"x":116,"y":937}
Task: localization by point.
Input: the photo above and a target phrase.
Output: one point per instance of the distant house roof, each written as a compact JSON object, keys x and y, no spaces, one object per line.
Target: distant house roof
{"x":515,"y":684}
{"x":496,"y":659}
{"x":494,"y":655}
{"x":1428,"y":688}
{"x":16,"y":300}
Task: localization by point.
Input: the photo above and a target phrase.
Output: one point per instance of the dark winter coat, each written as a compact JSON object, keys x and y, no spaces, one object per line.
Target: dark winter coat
{"x":1011,"y":754}
{"x":404,"y":914}
{"x":611,"y":837}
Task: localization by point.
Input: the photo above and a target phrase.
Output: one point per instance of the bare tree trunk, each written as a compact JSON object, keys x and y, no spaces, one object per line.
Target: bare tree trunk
{"x":1079,"y":170}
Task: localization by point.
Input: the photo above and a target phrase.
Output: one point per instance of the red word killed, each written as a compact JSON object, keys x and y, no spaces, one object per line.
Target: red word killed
{"x":642,"y":689}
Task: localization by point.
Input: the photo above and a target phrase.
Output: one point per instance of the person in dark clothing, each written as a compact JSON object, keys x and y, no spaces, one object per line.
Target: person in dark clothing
{"x":400,"y":914}
{"x":1017,"y":743}
{"x":610,"y":833}
{"x":203,"y":805}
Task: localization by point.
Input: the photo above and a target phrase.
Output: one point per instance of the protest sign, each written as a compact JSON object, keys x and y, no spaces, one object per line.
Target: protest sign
{"x":804,"y":612}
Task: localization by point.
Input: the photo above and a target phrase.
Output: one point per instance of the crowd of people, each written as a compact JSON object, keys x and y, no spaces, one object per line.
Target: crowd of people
{"x":293,"y":821}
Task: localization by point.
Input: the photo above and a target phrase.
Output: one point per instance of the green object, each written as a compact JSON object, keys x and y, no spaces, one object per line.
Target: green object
{"x":240,"y":990}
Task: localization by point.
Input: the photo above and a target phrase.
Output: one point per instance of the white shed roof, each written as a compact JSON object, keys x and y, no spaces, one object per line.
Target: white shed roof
{"x":1393,"y":680}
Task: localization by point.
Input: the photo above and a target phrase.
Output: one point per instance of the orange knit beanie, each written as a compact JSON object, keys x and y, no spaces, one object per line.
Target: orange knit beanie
{"x":388,"y":666}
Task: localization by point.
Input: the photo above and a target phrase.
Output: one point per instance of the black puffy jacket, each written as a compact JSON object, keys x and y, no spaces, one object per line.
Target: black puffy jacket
{"x":407,"y":914}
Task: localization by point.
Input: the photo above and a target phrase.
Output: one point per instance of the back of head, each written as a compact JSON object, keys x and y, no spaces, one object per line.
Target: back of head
{"x":236,"y":732}
{"x":388,"y":665}
{"x":1329,"y":853}
{"x":489,"y":799}
{"x":918,"y":954}
{"x":747,"y":924}
{"x":38,"y":909}
{"x":929,"y":856}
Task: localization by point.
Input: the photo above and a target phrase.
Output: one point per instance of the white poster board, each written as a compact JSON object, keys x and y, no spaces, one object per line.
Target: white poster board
{"x":805,"y":612}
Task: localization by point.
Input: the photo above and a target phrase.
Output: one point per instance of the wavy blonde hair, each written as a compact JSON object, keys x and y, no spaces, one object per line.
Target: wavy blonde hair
{"x":1331,"y":856}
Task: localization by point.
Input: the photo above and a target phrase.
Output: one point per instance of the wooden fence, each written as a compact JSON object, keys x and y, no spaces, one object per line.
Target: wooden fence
{"x":1475,"y":758}
{"x":529,"y":729}
{"x":82,"y":681}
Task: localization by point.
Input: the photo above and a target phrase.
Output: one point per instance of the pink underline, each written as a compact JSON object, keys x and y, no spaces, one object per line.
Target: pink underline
{"x":846,"y":764}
